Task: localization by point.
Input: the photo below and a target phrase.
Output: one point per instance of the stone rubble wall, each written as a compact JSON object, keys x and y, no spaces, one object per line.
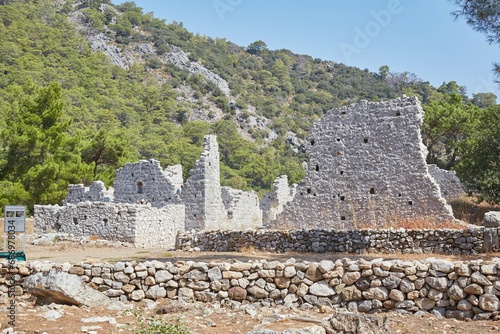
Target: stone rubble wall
{"x":142,"y":225}
{"x":462,"y":290}
{"x":242,"y":207}
{"x":146,"y":182}
{"x":448,"y":182}
{"x":274,"y":202}
{"x":367,"y":163}
{"x":97,"y":192}
{"x":445,"y":241}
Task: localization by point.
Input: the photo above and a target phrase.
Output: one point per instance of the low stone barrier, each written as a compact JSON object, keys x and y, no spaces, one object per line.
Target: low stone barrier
{"x":462,"y":290}
{"x":445,"y":241}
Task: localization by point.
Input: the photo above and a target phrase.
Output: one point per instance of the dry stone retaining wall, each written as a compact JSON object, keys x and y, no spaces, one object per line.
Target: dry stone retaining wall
{"x":463,"y":290}
{"x":445,"y":241}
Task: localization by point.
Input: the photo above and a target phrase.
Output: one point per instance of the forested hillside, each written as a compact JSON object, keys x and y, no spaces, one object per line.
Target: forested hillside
{"x":86,"y":86}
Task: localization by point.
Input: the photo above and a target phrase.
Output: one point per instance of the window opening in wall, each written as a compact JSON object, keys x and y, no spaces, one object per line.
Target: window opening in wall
{"x":301,"y":194}
{"x":410,"y":202}
{"x":372,"y":191}
{"x":342,"y":198}
{"x":317,"y":168}
{"x":85,"y":217}
{"x":312,"y":142}
{"x":314,"y":194}
{"x":209,"y":163}
{"x":338,"y":139}
{"x":343,"y":112}
{"x":399,"y":195}
{"x":132,"y":174}
{"x":75,"y":221}
{"x":194,"y":215}
{"x":398,"y":113}
{"x":308,"y":190}
{"x":341,"y":172}
{"x":342,"y":217}
{"x":365,"y":140}
{"x":140,"y":189}
{"x":339,"y":152}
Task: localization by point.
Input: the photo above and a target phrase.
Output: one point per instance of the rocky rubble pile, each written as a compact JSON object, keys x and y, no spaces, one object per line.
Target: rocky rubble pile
{"x":462,"y":290}
{"x":447,"y":241}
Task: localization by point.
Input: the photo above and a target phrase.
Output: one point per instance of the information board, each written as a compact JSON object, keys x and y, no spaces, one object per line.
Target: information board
{"x":15,"y":218}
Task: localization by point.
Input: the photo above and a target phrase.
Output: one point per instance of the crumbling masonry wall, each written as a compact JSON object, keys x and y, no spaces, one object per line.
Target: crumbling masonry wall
{"x":146,"y":182}
{"x":142,"y":225}
{"x":97,"y":192}
{"x":210,"y":206}
{"x":367,"y":164}
{"x":274,"y":201}
{"x":448,"y":182}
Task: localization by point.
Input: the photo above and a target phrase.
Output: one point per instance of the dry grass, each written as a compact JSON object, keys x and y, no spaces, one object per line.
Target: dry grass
{"x":411,"y":224}
{"x":468,"y":210}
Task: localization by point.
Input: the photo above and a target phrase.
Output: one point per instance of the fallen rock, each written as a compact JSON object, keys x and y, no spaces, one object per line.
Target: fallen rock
{"x":346,"y":322}
{"x":63,"y":288}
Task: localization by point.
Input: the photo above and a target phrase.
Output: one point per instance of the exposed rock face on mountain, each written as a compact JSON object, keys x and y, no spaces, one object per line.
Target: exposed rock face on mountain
{"x":180,"y":59}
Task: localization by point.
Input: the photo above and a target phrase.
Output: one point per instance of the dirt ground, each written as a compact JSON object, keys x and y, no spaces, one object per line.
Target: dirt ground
{"x":206,"y":318}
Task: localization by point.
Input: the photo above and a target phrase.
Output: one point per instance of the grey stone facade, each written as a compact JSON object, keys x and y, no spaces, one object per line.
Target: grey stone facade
{"x":448,"y":182}
{"x":274,"y":201}
{"x":142,"y":225}
{"x":146,"y":182}
{"x":367,"y":164}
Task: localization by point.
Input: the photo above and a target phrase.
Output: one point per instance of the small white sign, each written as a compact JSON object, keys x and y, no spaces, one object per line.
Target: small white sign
{"x":15,"y":218}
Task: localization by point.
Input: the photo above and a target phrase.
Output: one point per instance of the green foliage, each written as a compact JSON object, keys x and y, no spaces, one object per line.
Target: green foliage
{"x":479,"y":167}
{"x":447,"y":123}
{"x":154,"y":325}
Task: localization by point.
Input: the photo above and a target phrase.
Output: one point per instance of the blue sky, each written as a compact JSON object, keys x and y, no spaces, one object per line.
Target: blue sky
{"x":418,"y":36}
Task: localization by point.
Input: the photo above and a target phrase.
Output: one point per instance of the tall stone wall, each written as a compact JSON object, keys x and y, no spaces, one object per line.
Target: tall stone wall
{"x":202,"y":192}
{"x":273,"y":203}
{"x":210,"y":206}
{"x":367,"y":163}
{"x":142,"y":225}
{"x":448,"y":182}
{"x":146,"y":182}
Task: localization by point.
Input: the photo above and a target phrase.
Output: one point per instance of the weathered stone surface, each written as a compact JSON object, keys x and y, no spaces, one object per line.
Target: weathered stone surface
{"x":438,"y":283}
{"x":321,"y":289}
{"x":237,"y":293}
{"x":491,"y":219}
{"x":63,"y":288}
{"x":258,"y":292}
{"x":489,"y":302}
{"x":380,"y":293}
{"x":474,"y":289}
{"x":156,"y":292}
{"x":313,"y":273}
{"x":356,"y":323}
{"x":351,"y":293}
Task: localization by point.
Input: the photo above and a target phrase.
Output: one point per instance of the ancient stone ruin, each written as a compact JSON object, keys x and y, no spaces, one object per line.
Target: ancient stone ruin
{"x":149,"y":205}
{"x":367,"y":166}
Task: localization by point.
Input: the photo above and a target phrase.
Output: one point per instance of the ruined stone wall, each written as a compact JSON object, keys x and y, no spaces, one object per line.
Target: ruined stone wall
{"x":142,"y":225}
{"x":448,"y":182}
{"x":367,"y":163}
{"x":462,"y":289}
{"x":242,"y":208}
{"x":146,"y":182}
{"x":275,"y":201}
{"x":210,"y":206}
{"x":201,"y":193}
{"x":445,"y":241}
{"x":97,"y":192}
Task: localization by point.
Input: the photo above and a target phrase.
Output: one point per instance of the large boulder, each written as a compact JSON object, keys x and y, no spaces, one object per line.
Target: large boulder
{"x":491,"y":219}
{"x":63,"y":288}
